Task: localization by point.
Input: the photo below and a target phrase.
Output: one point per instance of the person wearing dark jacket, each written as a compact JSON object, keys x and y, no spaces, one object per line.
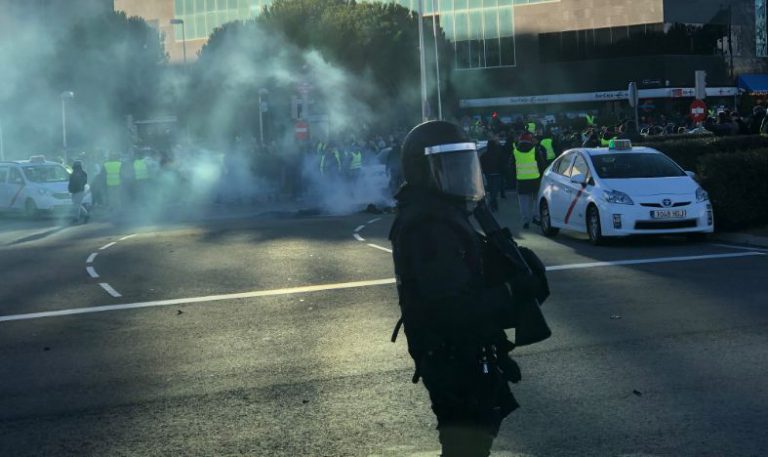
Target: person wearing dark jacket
{"x":450,"y":313}
{"x":527,"y":164}
{"x":77,"y":181}
{"x":493,"y":167}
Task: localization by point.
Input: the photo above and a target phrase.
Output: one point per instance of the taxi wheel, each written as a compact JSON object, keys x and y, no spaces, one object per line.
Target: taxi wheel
{"x":594,"y":230}
{"x":546,"y":221}
{"x":30,"y":208}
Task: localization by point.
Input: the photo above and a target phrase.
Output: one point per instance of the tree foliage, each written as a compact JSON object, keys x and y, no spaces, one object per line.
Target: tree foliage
{"x":375,"y":45}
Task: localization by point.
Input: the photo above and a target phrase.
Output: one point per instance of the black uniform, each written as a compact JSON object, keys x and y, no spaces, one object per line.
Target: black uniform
{"x":449,"y":313}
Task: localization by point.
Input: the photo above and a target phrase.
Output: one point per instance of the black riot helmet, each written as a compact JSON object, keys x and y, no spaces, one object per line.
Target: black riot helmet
{"x":438,"y":155}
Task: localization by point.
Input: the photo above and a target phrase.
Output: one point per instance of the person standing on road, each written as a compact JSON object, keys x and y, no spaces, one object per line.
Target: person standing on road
{"x":112,"y":169}
{"x":492,"y":164}
{"x":449,"y":312}
{"x":77,"y":181}
{"x":528,"y":164}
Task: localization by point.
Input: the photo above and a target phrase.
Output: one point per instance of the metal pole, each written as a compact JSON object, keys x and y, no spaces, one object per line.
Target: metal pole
{"x":2,"y":145}
{"x":730,"y":36}
{"x":422,"y":63}
{"x":261,"y":120}
{"x":184,"y":42}
{"x":64,"y":126}
{"x":437,"y":63}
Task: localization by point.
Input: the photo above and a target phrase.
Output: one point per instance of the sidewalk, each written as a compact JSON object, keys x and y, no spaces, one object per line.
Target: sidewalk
{"x":752,"y":237}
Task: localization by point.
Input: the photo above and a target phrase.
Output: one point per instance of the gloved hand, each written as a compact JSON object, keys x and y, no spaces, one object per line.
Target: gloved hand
{"x":509,"y":369}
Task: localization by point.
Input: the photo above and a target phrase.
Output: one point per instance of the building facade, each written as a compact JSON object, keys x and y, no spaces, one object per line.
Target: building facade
{"x":538,"y":47}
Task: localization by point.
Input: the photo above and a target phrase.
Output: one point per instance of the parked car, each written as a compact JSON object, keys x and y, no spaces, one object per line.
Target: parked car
{"x":35,"y":185}
{"x":621,"y":191}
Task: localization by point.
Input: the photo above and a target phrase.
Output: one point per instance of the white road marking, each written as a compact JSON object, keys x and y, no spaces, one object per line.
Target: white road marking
{"x":108,"y":245}
{"x":92,"y":272}
{"x":380,"y":248}
{"x":358,"y":237}
{"x":359,"y":227}
{"x":106,"y":287}
{"x":374,"y":220}
{"x":323,"y":287}
{"x":575,"y":266}
{"x":92,"y":257}
{"x":181,"y":301}
{"x":127,"y":237}
{"x":733,"y":246}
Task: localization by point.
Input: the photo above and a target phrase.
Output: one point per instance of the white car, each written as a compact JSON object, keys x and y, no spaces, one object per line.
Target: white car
{"x":35,"y":185}
{"x":621,"y":191}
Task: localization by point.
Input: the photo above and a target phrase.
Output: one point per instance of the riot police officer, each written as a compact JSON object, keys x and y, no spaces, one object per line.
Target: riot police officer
{"x":450,"y":314}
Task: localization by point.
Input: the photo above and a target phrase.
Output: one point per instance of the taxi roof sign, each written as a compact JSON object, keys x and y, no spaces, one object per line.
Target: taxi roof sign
{"x":620,"y":144}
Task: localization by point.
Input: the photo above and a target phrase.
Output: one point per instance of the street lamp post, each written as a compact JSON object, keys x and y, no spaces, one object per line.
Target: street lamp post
{"x":2,"y":145}
{"x":262,"y":92}
{"x":66,"y":95}
{"x":422,"y":63}
{"x":183,"y":36}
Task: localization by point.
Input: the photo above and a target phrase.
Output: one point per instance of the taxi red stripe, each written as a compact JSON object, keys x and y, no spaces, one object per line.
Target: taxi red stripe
{"x":573,"y":205}
{"x":13,"y":200}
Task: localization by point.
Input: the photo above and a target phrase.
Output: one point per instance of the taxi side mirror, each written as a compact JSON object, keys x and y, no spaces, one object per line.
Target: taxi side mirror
{"x":579,"y":179}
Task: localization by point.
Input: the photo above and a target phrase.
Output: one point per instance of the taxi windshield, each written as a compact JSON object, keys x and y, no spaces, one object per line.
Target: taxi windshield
{"x":635,"y":165}
{"x":46,"y":173}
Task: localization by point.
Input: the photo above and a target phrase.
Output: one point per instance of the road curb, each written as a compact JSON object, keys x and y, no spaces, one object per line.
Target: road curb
{"x":742,"y":238}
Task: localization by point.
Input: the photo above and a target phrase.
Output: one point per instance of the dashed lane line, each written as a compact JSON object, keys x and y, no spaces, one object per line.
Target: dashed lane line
{"x":359,"y":227}
{"x":92,"y":272}
{"x":191,"y":300}
{"x":358,"y":237}
{"x":381,"y":248}
{"x":110,"y":290}
{"x":108,"y":245}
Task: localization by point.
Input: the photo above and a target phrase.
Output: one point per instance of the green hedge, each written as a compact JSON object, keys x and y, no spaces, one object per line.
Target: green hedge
{"x":688,"y":150}
{"x":737,"y":183}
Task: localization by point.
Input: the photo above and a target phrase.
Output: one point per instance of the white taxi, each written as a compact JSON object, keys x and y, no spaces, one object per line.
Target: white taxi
{"x":35,"y":185}
{"x":621,"y":191}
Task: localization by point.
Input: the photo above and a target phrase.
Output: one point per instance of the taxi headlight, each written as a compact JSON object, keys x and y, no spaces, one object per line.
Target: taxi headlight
{"x":701,"y":195}
{"x":43,"y":191}
{"x":614,"y":196}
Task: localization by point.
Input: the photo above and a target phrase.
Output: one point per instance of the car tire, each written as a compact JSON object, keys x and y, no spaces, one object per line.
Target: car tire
{"x":30,"y":208}
{"x":594,"y":229}
{"x":546,"y":220}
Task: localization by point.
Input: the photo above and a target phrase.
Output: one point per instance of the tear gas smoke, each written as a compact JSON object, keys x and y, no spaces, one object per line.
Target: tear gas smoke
{"x":216,"y":99}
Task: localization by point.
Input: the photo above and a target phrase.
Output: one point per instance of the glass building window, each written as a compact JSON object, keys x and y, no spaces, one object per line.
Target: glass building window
{"x":761,"y":30}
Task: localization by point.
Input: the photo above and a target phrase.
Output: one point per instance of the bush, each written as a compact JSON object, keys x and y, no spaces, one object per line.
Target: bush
{"x":687,"y":150}
{"x":737,"y":183}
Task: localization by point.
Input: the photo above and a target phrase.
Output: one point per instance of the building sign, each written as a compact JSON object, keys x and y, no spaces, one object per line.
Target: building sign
{"x":607,"y":96}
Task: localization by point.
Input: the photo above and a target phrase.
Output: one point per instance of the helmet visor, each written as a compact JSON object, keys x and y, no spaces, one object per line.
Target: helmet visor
{"x":456,"y":171}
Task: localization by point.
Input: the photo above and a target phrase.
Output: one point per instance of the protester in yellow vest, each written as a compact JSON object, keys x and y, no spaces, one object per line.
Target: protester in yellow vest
{"x":528,"y":164}
{"x":548,"y":145}
{"x":112,"y":169}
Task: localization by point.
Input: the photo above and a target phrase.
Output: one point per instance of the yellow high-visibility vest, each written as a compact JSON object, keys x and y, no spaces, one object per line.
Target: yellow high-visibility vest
{"x":113,"y":172}
{"x":606,"y":143}
{"x":526,"y":166}
{"x":532,"y":127}
{"x":140,"y":171}
{"x":590,"y":120}
{"x":357,"y":161}
{"x":546,"y":143}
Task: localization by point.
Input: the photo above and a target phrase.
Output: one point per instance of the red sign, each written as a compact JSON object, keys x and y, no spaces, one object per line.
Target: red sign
{"x":698,"y":111}
{"x":301,"y":131}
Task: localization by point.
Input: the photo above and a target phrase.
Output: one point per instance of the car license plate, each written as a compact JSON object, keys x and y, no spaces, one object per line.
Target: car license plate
{"x":668,"y":214}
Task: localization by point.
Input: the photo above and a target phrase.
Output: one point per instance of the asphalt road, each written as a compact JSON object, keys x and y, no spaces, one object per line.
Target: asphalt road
{"x":207,"y":341}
